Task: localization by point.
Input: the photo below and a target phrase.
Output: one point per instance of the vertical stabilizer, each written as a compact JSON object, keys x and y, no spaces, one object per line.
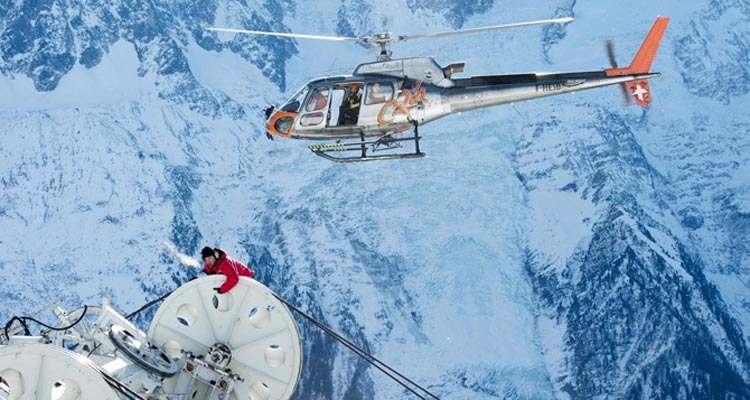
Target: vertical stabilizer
{"x":645,"y":57}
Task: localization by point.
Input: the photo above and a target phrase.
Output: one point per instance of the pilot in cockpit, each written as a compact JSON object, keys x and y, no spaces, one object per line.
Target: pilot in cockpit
{"x":350,"y":107}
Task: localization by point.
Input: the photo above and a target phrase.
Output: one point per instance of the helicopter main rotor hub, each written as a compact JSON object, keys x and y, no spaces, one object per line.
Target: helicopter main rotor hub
{"x":383,"y":40}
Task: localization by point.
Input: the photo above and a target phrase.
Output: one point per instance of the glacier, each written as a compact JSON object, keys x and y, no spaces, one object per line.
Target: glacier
{"x":567,"y":247}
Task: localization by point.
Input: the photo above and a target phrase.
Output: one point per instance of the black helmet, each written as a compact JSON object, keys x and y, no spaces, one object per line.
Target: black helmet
{"x":207,"y":251}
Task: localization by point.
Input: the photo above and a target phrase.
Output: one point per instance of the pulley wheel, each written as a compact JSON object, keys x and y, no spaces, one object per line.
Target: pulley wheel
{"x":143,"y":352}
{"x":255,"y":326}
{"x":44,"y":371}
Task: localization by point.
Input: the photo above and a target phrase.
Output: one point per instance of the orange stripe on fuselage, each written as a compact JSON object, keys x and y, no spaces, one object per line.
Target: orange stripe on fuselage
{"x":645,"y":57}
{"x":271,"y":125}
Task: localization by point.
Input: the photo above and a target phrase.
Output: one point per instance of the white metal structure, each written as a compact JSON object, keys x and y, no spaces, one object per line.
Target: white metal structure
{"x":34,"y":370}
{"x":201,"y":345}
{"x":247,"y":332}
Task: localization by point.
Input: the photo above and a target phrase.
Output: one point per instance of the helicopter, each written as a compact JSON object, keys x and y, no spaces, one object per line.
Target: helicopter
{"x":381,"y":100}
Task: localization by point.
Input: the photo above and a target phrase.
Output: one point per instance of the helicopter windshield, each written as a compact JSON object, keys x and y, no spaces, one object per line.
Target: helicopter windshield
{"x":294,"y":103}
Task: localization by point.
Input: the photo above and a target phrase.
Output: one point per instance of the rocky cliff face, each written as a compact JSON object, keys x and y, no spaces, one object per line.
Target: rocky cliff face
{"x":44,"y":40}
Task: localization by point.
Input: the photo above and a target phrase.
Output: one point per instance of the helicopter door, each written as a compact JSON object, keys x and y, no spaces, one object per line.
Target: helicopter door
{"x":315,"y":111}
{"x":350,"y":103}
{"x":337,"y":98}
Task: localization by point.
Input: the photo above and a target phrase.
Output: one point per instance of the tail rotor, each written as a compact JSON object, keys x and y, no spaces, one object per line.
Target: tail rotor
{"x":613,"y":61}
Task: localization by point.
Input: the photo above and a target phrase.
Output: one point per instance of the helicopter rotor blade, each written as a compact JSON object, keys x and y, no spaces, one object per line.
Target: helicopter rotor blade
{"x":384,"y":39}
{"x":613,"y":61}
{"x":611,"y":53}
{"x":284,"y":34}
{"x":487,"y":28}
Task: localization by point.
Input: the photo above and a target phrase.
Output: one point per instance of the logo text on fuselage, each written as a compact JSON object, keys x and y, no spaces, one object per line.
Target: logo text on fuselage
{"x":402,"y":103}
{"x":549,"y":87}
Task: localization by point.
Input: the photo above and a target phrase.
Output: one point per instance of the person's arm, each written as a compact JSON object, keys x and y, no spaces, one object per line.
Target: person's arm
{"x":231,"y":273}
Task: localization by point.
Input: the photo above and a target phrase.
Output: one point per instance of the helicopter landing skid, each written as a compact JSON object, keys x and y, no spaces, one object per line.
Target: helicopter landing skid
{"x":384,"y":143}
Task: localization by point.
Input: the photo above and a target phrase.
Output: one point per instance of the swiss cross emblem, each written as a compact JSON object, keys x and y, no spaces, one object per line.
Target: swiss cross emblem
{"x":640,"y":91}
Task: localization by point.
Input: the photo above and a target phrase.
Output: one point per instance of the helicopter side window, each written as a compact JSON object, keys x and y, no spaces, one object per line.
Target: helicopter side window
{"x":318,"y":99}
{"x":313,"y":118}
{"x":378,"y":92}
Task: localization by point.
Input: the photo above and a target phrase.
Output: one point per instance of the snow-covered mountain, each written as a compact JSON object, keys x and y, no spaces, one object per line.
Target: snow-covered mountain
{"x":568,"y":247}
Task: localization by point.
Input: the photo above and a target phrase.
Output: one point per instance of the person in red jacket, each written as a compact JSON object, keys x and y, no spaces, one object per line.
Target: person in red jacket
{"x":217,"y":262}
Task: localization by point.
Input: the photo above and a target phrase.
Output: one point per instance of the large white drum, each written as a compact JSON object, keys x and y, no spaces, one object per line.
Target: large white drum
{"x":255,"y":327}
{"x":32,"y":371}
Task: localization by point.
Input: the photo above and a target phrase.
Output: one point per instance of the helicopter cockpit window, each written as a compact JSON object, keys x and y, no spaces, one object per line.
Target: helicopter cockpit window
{"x":318,"y":99}
{"x":378,"y":92}
{"x":294,"y":103}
